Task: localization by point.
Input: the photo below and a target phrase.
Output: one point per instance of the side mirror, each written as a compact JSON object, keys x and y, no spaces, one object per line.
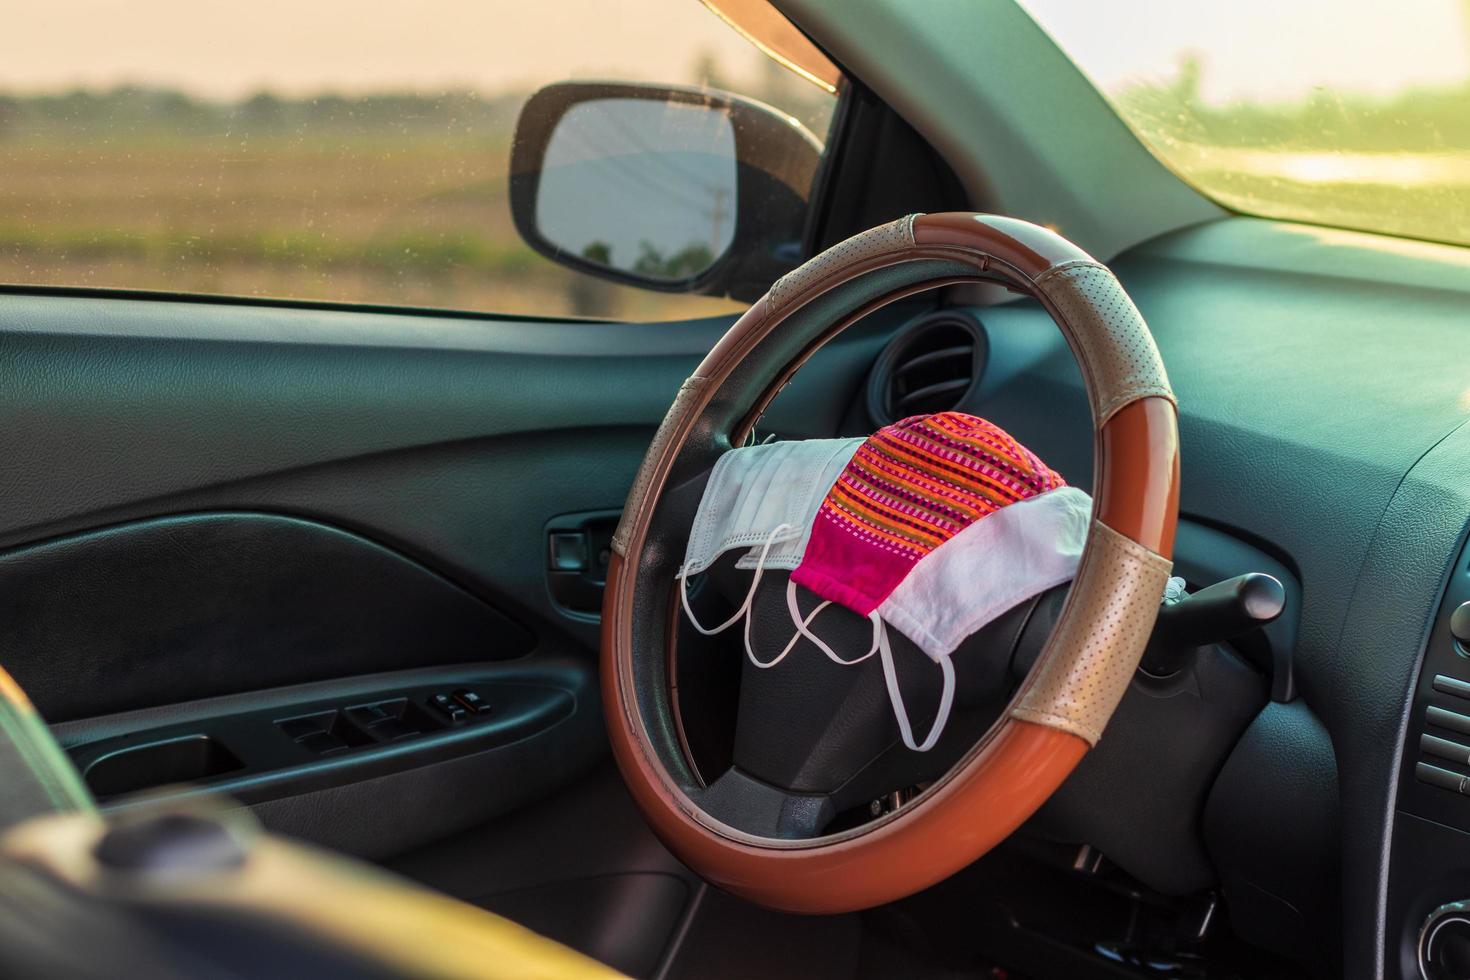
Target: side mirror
{"x":674,"y":189}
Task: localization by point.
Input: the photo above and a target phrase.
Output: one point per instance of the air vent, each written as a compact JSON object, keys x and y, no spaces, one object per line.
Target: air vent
{"x":932,"y":365}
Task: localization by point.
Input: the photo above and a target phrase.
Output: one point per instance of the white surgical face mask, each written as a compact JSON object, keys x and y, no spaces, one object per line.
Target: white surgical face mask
{"x":993,"y":565}
{"x":754,"y":490}
{"x":764,"y":499}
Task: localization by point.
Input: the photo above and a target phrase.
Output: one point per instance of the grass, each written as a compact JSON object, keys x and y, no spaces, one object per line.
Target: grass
{"x":1397,"y":163}
{"x":415,"y":217}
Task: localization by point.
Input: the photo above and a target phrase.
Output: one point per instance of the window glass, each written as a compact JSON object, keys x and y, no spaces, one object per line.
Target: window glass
{"x":1353,"y":113}
{"x":324,"y":149}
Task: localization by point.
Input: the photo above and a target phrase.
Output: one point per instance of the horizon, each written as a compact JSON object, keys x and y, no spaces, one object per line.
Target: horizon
{"x":332,"y":44}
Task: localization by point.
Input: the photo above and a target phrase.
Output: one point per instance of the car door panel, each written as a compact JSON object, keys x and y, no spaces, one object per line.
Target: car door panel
{"x":414,"y":430}
{"x":171,"y":609}
{"x":224,"y":512}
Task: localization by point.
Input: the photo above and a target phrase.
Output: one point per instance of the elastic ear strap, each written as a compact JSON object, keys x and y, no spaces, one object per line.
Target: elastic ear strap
{"x":801,"y":628}
{"x":743,"y":612}
{"x":790,"y":644}
{"x":895,"y":697}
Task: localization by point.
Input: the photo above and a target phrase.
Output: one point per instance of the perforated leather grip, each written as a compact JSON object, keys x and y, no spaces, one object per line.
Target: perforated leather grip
{"x":891,"y":239}
{"x":1104,"y":627}
{"x":1114,"y":348}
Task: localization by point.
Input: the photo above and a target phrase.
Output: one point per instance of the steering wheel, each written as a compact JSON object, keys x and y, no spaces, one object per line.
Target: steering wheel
{"x":759,"y":830}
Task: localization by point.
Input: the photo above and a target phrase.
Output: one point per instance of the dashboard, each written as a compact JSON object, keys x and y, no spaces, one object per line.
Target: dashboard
{"x":1323,"y":393}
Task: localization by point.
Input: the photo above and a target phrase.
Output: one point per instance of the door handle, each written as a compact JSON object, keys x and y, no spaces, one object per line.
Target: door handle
{"x":578,"y":550}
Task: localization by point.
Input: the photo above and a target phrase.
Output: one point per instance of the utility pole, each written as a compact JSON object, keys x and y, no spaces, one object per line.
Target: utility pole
{"x":718,"y":214}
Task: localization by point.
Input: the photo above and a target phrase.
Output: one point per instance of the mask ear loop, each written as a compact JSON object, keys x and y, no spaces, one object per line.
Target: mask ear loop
{"x":745,"y":607}
{"x":749,"y":595}
{"x":880,"y":646}
{"x":790,"y":644}
{"x":801,"y":628}
{"x":895,"y":695}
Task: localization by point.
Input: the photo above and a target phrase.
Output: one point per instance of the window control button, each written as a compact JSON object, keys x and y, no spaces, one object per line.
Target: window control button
{"x":299,"y":728}
{"x":1445,"y":749}
{"x":1443,"y":778}
{"x":1445,"y":684}
{"x":447,"y":707}
{"x":322,"y":743}
{"x":1454,"y":721}
{"x":472,"y":701}
{"x":368,"y":715}
{"x":392,"y":729}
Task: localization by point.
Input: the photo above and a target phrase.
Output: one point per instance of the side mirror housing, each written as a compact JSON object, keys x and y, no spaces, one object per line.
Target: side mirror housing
{"x":673,"y":189}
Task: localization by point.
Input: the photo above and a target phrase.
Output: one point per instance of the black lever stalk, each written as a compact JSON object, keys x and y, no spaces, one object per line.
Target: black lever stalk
{"x":1220,"y":612}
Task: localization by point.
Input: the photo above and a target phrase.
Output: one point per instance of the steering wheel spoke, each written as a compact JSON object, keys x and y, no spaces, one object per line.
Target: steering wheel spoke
{"x":759,"y":808}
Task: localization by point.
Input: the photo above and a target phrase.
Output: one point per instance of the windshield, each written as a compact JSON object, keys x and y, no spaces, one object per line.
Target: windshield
{"x":1351,"y":113}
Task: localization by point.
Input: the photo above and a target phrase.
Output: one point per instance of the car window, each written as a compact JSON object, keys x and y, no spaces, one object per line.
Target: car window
{"x":326,"y":149}
{"x":1339,"y":112}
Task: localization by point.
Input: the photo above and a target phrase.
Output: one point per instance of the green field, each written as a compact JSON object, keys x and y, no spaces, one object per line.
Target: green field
{"x":1398,"y":163}
{"x":403,"y":203}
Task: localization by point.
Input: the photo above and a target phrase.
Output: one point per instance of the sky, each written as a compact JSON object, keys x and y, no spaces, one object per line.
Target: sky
{"x":1250,"y":48}
{"x":1265,"y":50}
{"x":227,"y":49}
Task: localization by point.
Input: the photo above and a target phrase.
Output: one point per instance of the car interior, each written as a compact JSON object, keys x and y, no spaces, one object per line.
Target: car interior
{"x":341,"y":605}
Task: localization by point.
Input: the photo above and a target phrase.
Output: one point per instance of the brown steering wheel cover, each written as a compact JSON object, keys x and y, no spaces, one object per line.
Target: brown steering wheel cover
{"x":1019,"y":763}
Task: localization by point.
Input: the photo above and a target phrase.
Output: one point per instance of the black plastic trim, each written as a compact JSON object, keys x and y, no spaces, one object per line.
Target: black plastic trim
{"x":276,"y":302}
{"x":383,"y":801}
{"x":883,"y":408}
{"x":272,"y":764}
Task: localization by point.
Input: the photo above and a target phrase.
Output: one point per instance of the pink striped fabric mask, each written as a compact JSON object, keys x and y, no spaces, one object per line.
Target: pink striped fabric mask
{"x":938,"y":524}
